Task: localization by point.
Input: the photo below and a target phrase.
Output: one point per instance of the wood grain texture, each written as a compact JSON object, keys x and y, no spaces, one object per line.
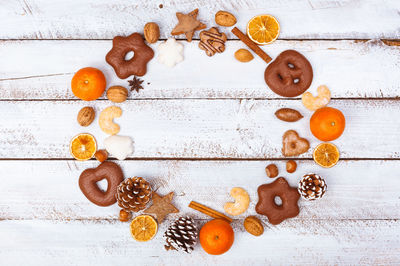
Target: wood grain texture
{"x":348,"y":68}
{"x":85,"y":19}
{"x":367,"y":242}
{"x":48,"y":190}
{"x":196,"y":128}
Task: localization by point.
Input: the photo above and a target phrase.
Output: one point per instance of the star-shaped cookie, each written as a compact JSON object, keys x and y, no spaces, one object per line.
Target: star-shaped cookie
{"x":188,"y":24}
{"x":162,"y":206}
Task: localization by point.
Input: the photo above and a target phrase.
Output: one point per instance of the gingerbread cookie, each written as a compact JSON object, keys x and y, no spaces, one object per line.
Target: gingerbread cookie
{"x":293,"y":144}
{"x":212,"y":41}
{"x":137,"y":65}
{"x":289,"y":75}
{"x":188,"y":24}
{"x":266,"y":201}
{"x":88,"y":183}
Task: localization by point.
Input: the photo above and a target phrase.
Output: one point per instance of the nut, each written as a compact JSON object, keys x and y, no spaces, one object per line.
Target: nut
{"x":225,"y":19}
{"x":291,"y":166}
{"x":253,"y":225}
{"x":271,"y":170}
{"x":86,"y":116}
{"x":288,"y":115}
{"x":242,"y":200}
{"x":124,"y":216}
{"x":106,"y":118}
{"x":151,"y":32}
{"x":117,"y":94}
{"x":101,"y":155}
{"x":243,"y":55}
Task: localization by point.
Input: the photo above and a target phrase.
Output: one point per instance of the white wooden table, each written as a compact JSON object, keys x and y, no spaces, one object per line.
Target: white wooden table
{"x":198,"y":135}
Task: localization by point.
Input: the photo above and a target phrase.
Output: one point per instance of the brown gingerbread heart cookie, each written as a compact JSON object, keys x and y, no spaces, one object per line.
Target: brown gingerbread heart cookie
{"x":293,"y":144}
{"x":89,"y":178}
{"x":266,"y":201}
{"x":289,"y":75}
{"x":212,"y":41}
{"x":137,"y":65}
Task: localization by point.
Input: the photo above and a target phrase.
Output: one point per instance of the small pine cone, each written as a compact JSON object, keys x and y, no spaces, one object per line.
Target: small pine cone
{"x":181,"y":235}
{"x":133,"y":194}
{"x":312,"y":187}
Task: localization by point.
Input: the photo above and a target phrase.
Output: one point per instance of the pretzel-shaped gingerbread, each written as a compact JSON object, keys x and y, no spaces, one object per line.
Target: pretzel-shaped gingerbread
{"x":266,"y":201}
{"x":289,"y":75}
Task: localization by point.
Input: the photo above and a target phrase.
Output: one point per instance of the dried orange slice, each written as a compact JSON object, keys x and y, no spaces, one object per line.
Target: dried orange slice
{"x":83,"y":147}
{"x":143,"y":228}
{"x":326,"y":155}
{"x":263,"y":29}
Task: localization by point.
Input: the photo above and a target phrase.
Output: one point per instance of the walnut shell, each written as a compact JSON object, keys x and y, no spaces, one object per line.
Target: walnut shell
{"x":225,"y":19}
{"x":151,"y":32}
{"x":86,"y":116}
{"x":117,"y":94}
{"x":243,"y":55}
{"x":253,"y":225}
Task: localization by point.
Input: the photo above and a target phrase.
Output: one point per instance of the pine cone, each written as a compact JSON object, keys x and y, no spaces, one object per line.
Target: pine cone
{"x":312,"y":187}
{"x":181,"y":235}
{"x":133,"y":194}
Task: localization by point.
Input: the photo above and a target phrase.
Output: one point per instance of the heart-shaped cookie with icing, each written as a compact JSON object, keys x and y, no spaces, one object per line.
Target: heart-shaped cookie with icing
{"x":293,"y":145}
{"x":89,"y":178}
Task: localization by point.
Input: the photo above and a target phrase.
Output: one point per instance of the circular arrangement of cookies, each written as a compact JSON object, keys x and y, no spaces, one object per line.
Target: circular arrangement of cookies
{"x":290,"y":74}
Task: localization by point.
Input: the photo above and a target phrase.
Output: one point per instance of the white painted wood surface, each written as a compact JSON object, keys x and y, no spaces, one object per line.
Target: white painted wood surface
{"x":196,"y":128}
{"x":356,"y":189}
{"x":350,"y":69}
{"x":77,"y":19}
{"x":224,"y":116}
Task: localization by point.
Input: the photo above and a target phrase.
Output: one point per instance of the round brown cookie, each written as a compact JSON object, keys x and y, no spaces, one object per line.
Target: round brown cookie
{"x":89,"y":178}
{"x":289,"y":75}
{"x":137,"y":65}
{"x":266,"y":201}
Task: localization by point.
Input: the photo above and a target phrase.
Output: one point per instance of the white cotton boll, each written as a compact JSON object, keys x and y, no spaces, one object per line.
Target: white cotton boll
{"x":119,"y":146}
{"x":170,"y":52}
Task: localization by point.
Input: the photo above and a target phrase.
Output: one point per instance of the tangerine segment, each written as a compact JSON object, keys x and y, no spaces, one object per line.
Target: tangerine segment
{"x":143,"y":228}
{"x":263,"y":29}
{"x":83,"y":147}
{"x":326,"y":155}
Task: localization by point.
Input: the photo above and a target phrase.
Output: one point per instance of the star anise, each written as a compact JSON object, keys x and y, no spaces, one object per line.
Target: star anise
{"x":136,"y":84}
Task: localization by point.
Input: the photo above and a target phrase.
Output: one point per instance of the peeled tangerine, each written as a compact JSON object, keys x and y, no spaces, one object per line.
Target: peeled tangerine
{"x":119,"y":146}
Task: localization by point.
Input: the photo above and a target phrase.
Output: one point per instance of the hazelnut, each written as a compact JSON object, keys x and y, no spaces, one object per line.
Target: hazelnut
{"x":101,"y":155}
{"x":86,"y":116}
{"x":291,"y":166}
{"x":272,"y":170}
{"x":124,"y":216}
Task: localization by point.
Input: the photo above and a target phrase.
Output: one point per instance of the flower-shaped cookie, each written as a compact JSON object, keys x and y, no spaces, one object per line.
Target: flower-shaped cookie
{"x":170,"y":52}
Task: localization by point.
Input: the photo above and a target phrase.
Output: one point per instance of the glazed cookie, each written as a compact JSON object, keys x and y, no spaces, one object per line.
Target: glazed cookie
{"x":170,"y":52}
{"x":289,"y":75}
{"x":137,"y":65}
{"x":88,"y":183}
{"x":266,"y":201}
{"x":212,"y":41}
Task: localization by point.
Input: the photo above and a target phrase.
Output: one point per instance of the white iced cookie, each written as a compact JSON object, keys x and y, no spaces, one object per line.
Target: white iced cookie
{"x":119,"y":146}
{"x":170,"y":52}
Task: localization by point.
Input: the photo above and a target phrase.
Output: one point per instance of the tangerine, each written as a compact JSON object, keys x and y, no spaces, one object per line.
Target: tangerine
{"x":327,"y":123}
{"x":216,"y":236}
{"x":88,"y":83}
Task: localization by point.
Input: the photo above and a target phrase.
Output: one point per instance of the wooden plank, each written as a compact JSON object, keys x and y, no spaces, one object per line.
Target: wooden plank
{"x":345,"y":242}
{"x":196,"y":128}
{"x":49,"y":189}
{"x":77,"y":19}
{"x":350,"y":69}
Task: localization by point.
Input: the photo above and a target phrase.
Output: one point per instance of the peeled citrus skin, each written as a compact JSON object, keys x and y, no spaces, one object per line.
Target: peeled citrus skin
{"x":327,"y":123}
{"x":216,"y":237}
{"x":88,"y":83}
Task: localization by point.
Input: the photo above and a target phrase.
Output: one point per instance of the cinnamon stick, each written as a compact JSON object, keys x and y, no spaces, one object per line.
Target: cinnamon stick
{"x":208,"y":211}
{"x":252,"y":45}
